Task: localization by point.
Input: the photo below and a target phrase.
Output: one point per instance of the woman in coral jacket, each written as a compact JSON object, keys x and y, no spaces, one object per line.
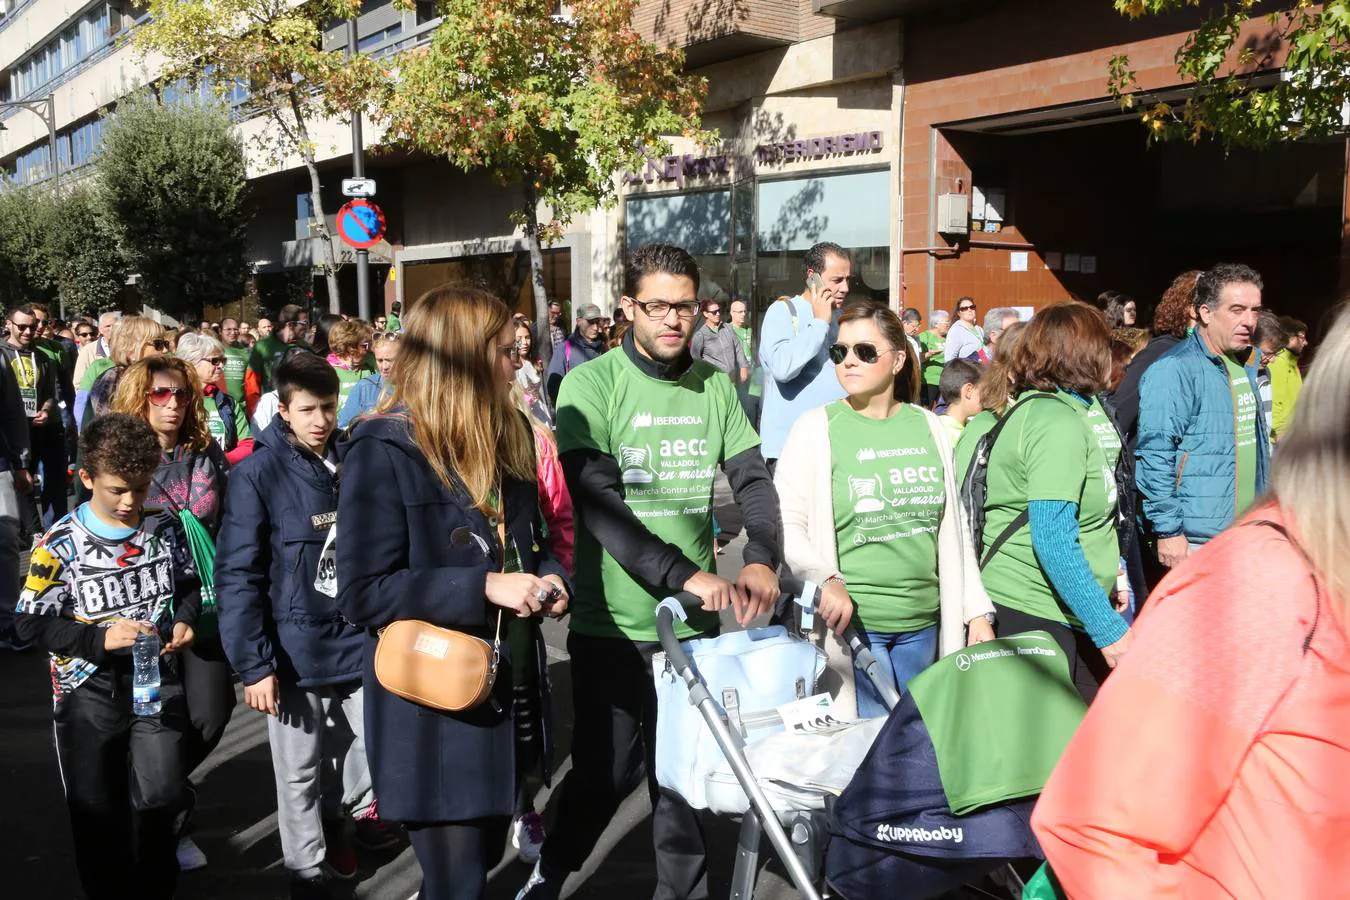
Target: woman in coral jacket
{"x":1213,"y":761}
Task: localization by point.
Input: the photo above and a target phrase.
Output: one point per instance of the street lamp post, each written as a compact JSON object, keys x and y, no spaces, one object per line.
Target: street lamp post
{"x":44,"y":107}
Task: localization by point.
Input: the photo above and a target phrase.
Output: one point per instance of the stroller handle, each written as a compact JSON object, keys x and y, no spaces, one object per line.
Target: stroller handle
{"x":676,"y":605}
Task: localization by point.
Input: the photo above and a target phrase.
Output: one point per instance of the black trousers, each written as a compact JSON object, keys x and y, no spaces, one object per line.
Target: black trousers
{"x":1087,"y":666}
{"x":455,"y":857}
{"x":49,"y":451}
{"x":209,"y":690}
{"x":123,"y":776}
{"x":613,"y":749}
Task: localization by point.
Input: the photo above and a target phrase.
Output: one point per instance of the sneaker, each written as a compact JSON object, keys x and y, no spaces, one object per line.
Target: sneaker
{"x":190,"y":856}
{"x":339,"y":851}
{"x":541,"y":885}
{"x":372,"y":833}
{"x":527,"y":836}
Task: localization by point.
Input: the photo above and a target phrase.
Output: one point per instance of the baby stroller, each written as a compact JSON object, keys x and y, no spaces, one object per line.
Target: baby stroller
{"x":782,"y":782}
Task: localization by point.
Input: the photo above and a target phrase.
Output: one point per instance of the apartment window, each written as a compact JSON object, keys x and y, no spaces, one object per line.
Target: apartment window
{"x":379,"y":37}
{"x":94,"y":31}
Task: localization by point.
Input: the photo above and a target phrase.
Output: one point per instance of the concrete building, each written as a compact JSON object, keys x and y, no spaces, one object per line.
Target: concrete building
{"x":956,"y":147}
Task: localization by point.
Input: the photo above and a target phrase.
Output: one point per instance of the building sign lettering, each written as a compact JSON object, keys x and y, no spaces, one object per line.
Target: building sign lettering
{"x":815,"y":148}
{"x":678,"y":168}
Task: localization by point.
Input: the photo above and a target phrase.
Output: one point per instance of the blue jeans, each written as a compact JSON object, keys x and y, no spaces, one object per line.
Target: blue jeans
{"x":901,"y":656}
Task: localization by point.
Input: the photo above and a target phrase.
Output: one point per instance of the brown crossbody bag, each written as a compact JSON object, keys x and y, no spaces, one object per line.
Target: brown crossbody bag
{"x":439,"y":667}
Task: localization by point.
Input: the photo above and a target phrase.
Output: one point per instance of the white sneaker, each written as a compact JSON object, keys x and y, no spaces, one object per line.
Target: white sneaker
{"x":190,"y":856}
{"x":540,"y":887}
{"x":527,"y":836}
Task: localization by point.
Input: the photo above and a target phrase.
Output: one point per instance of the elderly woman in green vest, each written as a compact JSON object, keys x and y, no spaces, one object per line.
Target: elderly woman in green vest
{"x":226,"y":419}
{"x":349,"y":354}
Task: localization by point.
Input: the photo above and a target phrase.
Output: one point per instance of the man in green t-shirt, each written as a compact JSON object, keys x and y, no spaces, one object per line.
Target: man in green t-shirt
{"x":1202,"y":452}
{"x":290,"y":327}
{"x":751,"y":390}
{"x":236,"y":359}
{"x":641,"y":432}
{"x":934,"y":344}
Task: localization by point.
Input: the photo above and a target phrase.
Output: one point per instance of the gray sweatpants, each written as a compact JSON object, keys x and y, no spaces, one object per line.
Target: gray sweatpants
{"x":319,"y":757}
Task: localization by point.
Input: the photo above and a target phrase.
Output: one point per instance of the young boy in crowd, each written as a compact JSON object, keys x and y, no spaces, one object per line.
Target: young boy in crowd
{"x":299,"y":660}
{"x":99,"y":580}
{"x":960,"y":390}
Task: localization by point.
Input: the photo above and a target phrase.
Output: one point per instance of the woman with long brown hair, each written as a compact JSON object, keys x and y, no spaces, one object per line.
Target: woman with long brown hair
{"x":164,"y":391}
{"x":441,"y":496}
{"x":872,"y":513}
{"x":1050,"y":552}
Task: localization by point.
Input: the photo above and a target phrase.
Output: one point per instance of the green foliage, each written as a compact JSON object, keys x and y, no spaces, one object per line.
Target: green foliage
{"x":557,"y":106}
{"x":54,"y":248}
{"x":89,"y":270}
{"x":1311,"y":43}
{"x":173,"y":179}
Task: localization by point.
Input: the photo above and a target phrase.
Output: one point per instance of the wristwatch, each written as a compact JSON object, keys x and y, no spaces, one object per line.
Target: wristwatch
{"x":988,"y":617}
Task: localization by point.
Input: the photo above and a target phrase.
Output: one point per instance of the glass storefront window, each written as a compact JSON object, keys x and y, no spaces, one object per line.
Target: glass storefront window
{"x":699,"y":222}
{"x":851,"y":210}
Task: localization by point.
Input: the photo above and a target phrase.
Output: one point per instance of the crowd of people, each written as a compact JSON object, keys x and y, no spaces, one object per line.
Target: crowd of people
{"x":269,"y":500}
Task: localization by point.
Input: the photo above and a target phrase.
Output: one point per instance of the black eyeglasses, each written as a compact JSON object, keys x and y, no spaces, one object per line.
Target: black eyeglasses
{"x":866,"y":353}
{"x":31,"y":326}
{"x":161,"y":345}
{"x":215,"y":360}
{"x":659,"y":309}
{"x":965,"y":309}
{"x":84,"y":334}
{"x":713,"y":312}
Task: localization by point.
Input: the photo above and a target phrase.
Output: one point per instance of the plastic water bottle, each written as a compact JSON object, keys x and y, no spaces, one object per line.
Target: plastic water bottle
{"x":145,"y":683}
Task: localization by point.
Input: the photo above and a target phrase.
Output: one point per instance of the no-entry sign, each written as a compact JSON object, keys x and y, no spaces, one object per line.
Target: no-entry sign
{"x":360,"y":224}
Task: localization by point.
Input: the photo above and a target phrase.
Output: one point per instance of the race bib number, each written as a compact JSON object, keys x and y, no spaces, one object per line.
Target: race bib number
{"x":30,"y":401}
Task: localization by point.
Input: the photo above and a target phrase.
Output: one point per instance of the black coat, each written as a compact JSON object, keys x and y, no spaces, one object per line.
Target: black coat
{"x":278,"y":509}
{"x":405,"y":551}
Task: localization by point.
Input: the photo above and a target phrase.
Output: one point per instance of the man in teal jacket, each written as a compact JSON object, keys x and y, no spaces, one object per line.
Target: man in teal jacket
{"x":1203,"y":451}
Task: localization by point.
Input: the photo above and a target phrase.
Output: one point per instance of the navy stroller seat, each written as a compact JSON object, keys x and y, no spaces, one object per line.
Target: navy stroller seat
{"x":893,"y":833}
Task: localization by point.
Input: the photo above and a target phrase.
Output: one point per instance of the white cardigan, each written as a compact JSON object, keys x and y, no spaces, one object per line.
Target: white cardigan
{"x":810,"y":552}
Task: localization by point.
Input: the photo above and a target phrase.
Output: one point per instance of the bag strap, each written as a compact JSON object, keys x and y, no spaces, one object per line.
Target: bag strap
{"x":1312,"y":573}
{"x":1024,"y":516}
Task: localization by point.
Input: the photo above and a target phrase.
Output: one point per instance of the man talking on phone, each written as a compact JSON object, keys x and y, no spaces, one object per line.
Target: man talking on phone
{"x":794,"y":347}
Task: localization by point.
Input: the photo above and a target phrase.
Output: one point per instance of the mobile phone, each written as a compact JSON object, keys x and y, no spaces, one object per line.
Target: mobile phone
{"x":814,"y":281}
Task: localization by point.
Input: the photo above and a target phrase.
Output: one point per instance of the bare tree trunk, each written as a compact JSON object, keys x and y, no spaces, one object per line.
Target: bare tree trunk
{"x":320,"y":221}
{"x":545,"y":345}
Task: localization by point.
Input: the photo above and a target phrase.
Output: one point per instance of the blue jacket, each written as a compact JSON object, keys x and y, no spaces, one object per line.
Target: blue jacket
{"x":1186,"y":455}
{"x":278,"y":509}
{"x":794,"y":348}
{"x":419,"y":553}
{"x":365,"y":394}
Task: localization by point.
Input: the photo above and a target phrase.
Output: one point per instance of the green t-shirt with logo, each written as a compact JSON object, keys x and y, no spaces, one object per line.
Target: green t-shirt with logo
{"x":236,"y":365}
{"x":979,"y":425}
{"x":215,"y":424}
{"x":1049,"y":451}
{"x":886,"y":480}
{"x":668,"y":438}
{"x":1245,"y":407}
{"x":932,"y":370}
{"x":347,"y":379}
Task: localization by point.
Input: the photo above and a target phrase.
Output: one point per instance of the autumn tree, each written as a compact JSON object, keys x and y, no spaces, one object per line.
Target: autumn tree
{"x":172,"y":177}
{"x":551,"y":106}
{"x":1229,"y":59}
{"x":272,"y":50}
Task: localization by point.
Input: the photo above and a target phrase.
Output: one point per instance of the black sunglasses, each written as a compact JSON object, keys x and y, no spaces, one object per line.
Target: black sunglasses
{"x":964,"y":308}
{"x":865,"y":352}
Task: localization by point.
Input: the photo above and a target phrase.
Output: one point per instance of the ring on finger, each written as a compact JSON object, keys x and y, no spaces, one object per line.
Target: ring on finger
{"x":540,"y":594}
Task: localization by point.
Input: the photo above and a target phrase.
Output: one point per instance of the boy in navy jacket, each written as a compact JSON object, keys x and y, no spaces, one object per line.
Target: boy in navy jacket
{"x":299,"y":660}
{"x":101,"y":578}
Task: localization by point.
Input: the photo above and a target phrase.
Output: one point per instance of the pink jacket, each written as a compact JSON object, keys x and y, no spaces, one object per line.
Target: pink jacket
{"x":1213,"y":762}
{"x":554,"y":500}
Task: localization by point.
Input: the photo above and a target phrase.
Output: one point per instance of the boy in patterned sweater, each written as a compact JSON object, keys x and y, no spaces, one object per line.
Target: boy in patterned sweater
{"x":98,"y":580}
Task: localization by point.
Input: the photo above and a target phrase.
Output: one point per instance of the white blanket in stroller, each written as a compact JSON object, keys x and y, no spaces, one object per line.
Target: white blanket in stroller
{"x":796,"y":770}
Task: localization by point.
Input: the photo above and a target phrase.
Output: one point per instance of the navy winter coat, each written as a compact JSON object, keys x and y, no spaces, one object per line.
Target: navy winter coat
{"x":278,"y":509}
{"x":406,"y":549}
{"x":1186,"y":453}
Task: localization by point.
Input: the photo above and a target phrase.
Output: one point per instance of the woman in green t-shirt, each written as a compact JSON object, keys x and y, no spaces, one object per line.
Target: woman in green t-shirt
{"x":349,"y":354}
{"x":1051,"y":554}
{"x":872,"y":513}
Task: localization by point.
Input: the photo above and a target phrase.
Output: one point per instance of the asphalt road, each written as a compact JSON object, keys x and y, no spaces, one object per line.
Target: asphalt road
{"x":235,"y":821}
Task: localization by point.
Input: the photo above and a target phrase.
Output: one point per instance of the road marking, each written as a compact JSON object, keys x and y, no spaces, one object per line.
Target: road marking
{"x":251,"y":835}
{"x":558,"y":653}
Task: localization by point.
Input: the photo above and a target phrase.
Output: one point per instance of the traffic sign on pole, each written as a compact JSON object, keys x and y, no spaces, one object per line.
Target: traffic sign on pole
{"x":360,"y":224}
{"x":358,"y":187}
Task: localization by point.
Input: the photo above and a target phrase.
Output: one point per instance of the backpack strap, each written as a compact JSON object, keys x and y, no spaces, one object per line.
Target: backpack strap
{"x":1024,"y":516}
{"x":1312,"y":573}
{"x":792,"y":311}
